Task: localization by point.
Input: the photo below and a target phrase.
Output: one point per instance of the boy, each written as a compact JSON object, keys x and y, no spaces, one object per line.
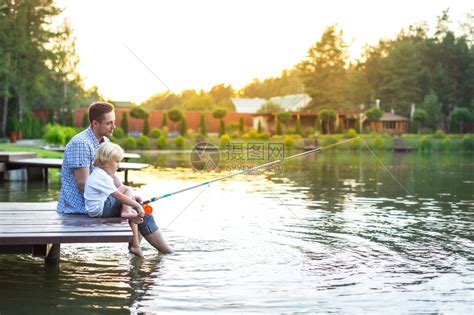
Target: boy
{"x":104,"y":199}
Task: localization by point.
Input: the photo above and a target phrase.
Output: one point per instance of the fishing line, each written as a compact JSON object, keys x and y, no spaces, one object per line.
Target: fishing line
{"x":250,"y":170}
{"x":385,"y":168}
{"x":186,"y":207}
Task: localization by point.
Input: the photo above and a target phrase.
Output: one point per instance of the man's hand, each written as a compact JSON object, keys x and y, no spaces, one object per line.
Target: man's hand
{"x":138,"y":199}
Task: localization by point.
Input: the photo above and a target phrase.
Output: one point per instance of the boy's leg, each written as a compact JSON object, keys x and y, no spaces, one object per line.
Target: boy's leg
{"x":134,"y":245}
{"x":127,"y":211}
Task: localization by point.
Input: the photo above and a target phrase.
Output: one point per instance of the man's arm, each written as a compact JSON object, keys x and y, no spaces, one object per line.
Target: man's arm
{"x":81,"y":175}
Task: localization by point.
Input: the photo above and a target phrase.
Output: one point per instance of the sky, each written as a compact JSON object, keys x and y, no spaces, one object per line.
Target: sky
{"x":134,"y":49}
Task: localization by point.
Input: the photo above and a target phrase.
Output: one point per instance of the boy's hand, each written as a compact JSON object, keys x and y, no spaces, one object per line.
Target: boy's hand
{"x":140,"y":211}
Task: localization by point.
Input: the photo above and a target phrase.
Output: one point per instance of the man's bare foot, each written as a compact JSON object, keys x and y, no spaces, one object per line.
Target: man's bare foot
{"x":136,"y":250}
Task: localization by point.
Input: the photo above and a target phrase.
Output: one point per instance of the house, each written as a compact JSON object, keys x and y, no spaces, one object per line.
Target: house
{"x":292,"y":102}
{"x":248,"y":105}
{"x":390,"y":123}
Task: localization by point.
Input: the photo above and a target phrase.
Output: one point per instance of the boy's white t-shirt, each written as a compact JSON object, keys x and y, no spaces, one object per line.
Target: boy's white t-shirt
{"x":99,"y":186}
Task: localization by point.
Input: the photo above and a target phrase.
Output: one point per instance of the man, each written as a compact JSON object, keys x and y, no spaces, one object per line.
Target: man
{"x":79,"y":157}
{"x":78,"y":164}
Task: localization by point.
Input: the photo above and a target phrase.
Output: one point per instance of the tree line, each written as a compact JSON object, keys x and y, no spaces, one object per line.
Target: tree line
{"x":432,"y":70}
{"x":37,"y":64}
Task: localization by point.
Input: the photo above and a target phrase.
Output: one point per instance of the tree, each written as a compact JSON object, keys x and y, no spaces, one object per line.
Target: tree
{"x":324,"y":72}
{"x":298,"y":126}
{"x":420,"y":116}
{"x":138,"y":113}
{"x":222,"y":129}
{"x":459,"y":116}
{"x":37,"y":60}
{"x":184,"y":127}
{"x":175,"y":115}
{"x":85,"y":120}
{"x":259,"y":126}
{"x":289,"y":82}
{"x":220,"y":114}
{"x":327,"y":116}
{"x":269,"y":108}
{"x":279,"y":128}
{"x":164,"y":120}
{"x":146,"y":126}
{"x":241,"y":125}
{"x":432,"y":107}
{"x":124,"y":123}
{"x":202,"y":125}
{"x":374,"y":113}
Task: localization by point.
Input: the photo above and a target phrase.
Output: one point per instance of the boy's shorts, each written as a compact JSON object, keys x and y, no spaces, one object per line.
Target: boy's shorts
{"x":112,"y":208}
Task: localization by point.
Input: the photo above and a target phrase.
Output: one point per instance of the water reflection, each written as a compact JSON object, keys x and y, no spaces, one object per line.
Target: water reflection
{"x":332,"y":233}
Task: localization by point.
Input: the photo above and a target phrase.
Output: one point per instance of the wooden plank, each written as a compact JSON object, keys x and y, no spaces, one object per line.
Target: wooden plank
{"x":39,"y":162}
{"x":126,"y":155}
{"x":57,"y":163}
{"x":18,"y":206}
{"x":73,"y":237}
{"x":16,"y":249}
{"x":8,"y":231}
{"x":8,"y":156}
{"x":128,"y":166}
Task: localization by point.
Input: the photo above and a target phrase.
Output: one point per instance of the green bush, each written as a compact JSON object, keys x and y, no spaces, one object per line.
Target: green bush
{"x":225,"y":140}
{"x":289,"y":142}
{"x":143,"y":142}
{"x":439,"y":134}
{"x":155,"y":133}
{"x":425,"y":143}
{"x":179,"y":142}
{"x":378,"y":143}
{"x":356,"y":143}
{"x":328,"y":140}
{"x":54,"y":134}
{"x":446,"y":144}
{"x":351,"y":133}
{"x":118,"y":133}
{"x":252,"y":134}
{"x":164,"y":132}
{"x":263,"y":135}
{"x":69,"y":132}
{"x":129,"y":143}
{"x":162,"y":142}
{"x":467,"y":143}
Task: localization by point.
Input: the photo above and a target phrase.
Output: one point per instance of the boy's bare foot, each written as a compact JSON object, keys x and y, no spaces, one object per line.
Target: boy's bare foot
{"x":128,"y":214}
{"x":136,"y":250}
{"x":136,"y":220}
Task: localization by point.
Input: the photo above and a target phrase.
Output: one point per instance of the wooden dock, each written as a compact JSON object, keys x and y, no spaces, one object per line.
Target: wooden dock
{"x":126,"y":156}
{"x":36,"y":228}
{"x":400,"y":146}
{"x":17,"y":160}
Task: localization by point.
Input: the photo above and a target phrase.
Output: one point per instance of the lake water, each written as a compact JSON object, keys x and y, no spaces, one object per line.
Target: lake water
{"x":329,"y":233}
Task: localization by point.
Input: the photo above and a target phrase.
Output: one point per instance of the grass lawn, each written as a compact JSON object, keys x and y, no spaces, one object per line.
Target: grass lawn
{"x":40,"y":152}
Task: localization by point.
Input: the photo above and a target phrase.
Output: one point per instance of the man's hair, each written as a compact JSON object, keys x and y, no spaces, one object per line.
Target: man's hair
{"x":106,"y":152}
{"x":98,"y":109}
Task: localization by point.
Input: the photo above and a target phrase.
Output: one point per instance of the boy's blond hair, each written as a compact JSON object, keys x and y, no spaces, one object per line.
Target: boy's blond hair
{"x":106,"y":152}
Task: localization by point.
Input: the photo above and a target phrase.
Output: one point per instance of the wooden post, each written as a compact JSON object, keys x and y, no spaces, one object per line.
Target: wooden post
{"x":53,"y":255}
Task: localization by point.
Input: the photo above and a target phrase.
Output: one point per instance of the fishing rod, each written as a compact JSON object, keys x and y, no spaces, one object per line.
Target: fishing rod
{"x":249,"y":170}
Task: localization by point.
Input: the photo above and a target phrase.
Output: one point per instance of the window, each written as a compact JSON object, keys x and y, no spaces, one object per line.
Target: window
{"x":389,"y":125}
